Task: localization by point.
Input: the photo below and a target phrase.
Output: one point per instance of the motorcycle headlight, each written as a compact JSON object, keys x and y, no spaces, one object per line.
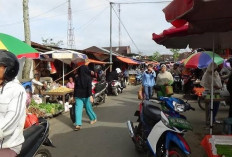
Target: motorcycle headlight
{"x":178,"y":107}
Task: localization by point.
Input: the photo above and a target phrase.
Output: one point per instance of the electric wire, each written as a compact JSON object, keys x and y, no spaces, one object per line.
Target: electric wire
{"x":126,"y":30}
{"x":84,"y":26}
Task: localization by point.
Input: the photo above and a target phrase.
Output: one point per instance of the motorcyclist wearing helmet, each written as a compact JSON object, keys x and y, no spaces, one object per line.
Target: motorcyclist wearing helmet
{"x":99,"y":73}
{"x":12,"y":106}
{"x":114,"y":75}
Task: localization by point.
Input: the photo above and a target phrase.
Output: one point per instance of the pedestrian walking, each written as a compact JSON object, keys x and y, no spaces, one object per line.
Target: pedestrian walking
{"x":148,"y":81}
{"x":163,"y":80}
{"x":206,"y":83}
{"x":83,"y":96}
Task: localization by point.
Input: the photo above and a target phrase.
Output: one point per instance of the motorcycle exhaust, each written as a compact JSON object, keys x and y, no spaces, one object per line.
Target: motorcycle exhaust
{"x":131,"y":128}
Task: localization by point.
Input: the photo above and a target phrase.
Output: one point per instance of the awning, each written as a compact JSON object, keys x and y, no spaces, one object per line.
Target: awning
{"x":127,"y":60}
{"x":96,"y":61}
{"x":203,"y":15}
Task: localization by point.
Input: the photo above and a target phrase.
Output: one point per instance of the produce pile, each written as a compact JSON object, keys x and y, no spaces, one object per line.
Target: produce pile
{"x":45,"y":110}
{"x":61,"y":89}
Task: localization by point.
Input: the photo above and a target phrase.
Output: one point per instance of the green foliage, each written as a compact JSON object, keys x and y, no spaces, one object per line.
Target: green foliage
{"x":156,"y":56}
{"x":176,"y":53}
{"x":51,"y":42}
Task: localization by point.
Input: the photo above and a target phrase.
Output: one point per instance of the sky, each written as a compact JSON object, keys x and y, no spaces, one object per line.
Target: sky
{"x":91,"y":22}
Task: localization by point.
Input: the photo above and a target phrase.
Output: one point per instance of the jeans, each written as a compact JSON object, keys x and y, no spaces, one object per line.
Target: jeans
{"x":88,"y":108}
{"x":215,"y":109}
{"x":148,"y":92}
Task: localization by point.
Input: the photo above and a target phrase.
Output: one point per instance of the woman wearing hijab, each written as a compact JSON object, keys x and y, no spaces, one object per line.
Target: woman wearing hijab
{"x":217,"y":84}
{"x":164,"y":79}
{"x":83,"y":95}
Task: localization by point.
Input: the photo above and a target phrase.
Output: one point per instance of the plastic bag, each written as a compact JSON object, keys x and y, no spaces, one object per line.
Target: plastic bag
{"x":31,"y":119}
{"x":169,"y":90}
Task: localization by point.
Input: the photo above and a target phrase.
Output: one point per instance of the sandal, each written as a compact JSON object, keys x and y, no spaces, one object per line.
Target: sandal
{"x":77,"y":128}
{"x":93,"y":121}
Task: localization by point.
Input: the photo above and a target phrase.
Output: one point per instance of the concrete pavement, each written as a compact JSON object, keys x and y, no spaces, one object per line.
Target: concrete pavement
{"x":109,"y":136}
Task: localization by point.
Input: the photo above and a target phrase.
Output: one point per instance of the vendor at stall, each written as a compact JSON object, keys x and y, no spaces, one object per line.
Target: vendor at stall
{"x":70,"y":83}
{"x":36,"y":85}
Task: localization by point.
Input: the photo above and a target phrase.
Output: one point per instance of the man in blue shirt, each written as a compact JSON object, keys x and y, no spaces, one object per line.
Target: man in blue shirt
{"x":148,"y":81}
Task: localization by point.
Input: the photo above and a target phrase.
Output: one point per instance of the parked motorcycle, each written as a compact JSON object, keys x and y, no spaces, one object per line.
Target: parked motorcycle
{"x":138,"y":78}
{"x":99,"y":91}
{"x":36,"y":136}
{"x":177,"y":85}
{"x":160,"y":131}
{"x":115,"y":87}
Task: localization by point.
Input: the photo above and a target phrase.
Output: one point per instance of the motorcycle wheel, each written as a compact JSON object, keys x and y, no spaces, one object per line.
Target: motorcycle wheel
{"x":176,"y":152}
{"x":104,"y":97}
{"x":115,"y":92}
{"x":43,"y":153}
{"x":201,"y":102}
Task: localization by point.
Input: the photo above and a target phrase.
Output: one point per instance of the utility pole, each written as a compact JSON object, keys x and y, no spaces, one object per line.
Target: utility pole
{"x":70,"y":32}
{"x":119,"y":26}
{"x":27,"y":34}
{"x":111,"y":3}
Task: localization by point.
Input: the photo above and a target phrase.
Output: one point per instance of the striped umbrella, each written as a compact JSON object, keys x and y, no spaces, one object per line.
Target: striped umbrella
{"x":202,"y":60}
{"x":16,"y":46}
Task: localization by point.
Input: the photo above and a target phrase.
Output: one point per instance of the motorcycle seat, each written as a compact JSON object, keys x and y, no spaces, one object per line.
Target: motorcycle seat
{"x":151,"y":112}
{"x":31,"y":135}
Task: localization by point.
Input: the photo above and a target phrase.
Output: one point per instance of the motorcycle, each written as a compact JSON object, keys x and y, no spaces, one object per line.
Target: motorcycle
{"x":160,"y":131}
{"x":115,"y":87}
{"x":99,"y":90}
{"x":138,"y":78}
{"x":36,"y":136}
{"x":177,"y":87}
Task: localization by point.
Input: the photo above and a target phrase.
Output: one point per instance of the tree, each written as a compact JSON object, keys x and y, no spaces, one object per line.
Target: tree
{"x":176,"y":53}
{"x":156,"y":56}
{"x":51,"y":42}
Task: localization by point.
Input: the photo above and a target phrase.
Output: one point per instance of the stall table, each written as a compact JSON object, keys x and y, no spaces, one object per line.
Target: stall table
{"x":209,"y":143}
{"x":57,"y":94}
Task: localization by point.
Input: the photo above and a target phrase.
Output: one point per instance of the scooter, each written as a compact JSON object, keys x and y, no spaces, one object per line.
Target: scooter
{"x":160,"y":132}
{"x":138,"y":78}
{"x":177,"y":87}
{"x":36,"y":136}
{"x":115,"y":87}
{"x":99,"y":91}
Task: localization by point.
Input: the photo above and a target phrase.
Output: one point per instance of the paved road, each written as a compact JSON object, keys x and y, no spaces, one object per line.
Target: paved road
{"x":109,"y":136}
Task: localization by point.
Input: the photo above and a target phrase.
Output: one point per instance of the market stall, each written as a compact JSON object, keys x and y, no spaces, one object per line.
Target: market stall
{"x":60,"y":91}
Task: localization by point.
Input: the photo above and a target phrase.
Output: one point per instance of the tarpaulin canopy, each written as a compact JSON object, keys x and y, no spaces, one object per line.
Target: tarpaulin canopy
{"x":126,"y":60}
{"x":203,"y":15}
{"x":182,"y":37}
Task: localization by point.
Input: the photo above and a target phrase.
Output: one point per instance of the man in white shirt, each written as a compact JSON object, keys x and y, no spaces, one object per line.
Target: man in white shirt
{"x":12,"y":106}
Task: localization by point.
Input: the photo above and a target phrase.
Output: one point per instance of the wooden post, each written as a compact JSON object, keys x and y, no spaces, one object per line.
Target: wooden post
{"x":28,"y":62}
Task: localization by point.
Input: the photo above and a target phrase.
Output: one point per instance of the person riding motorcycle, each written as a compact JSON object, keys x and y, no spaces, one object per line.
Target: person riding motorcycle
{"x":99,"y":73}
{"x":12,"y":106}
{"x":114,"y":75}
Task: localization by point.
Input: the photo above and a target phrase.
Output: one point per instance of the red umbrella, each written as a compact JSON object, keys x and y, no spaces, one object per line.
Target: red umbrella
{"x":204,"y":15}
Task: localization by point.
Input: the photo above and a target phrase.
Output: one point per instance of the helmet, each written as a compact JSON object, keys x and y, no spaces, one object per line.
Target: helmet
{"x":118,"y":70}
{"x":97,"y":68}
{"x":10,"y":61}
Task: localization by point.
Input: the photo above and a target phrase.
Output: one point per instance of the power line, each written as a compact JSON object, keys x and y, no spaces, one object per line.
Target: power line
{"x":92,"y":19}
{"x":141,"y":2}
{"x":19,"y":22}
{"x":126,"y":30}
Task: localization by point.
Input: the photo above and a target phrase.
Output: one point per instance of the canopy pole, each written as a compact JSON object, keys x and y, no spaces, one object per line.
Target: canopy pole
{"x":63,"y":73}
{"x":211,"y":97}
